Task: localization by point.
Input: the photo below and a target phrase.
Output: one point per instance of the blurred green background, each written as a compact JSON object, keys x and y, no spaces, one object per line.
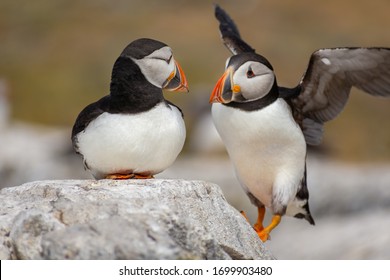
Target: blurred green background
{"x":56,"y":55}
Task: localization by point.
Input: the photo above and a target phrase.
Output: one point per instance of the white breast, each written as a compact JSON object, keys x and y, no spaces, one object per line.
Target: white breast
{"x":144,"y":142}
{"x":267,"y":148}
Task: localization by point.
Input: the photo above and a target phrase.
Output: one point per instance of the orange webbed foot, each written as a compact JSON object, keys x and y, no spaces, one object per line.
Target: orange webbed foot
{"x":120,"y":176}
{"x":141,"y":176}
{"x":263,"y":232}
{"x":264,"y":236}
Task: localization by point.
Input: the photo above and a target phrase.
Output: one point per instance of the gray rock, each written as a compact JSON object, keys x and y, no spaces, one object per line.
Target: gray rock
{"x":131,"y":219}
{"x":348,"y":201}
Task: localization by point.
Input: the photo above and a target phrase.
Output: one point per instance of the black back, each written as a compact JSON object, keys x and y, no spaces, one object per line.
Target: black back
{"x":130,"y":91}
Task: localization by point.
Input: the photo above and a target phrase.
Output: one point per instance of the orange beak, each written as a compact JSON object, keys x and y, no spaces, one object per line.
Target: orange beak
{"x":177,"y":80}
{"x":224,"y":89}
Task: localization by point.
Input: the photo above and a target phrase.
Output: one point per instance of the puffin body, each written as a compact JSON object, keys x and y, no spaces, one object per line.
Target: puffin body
{"x":145,"y":143}
{"x":265,"y":128}
{"x":268,"y":151}
{"x":134,"y":132}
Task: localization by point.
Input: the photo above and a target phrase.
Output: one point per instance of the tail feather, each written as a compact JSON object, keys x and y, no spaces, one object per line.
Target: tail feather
{"x":299,"y":207}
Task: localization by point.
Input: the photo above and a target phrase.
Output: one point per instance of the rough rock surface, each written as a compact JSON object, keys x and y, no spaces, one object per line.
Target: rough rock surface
{"x":131,"y":219}
{"x":349,"y":202}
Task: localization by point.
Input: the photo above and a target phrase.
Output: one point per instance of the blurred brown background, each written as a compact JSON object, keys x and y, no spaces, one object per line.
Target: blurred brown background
{"x":56,"y":55}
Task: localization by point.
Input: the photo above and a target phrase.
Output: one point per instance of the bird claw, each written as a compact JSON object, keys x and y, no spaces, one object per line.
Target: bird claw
{"x":258,"y":227}
{"x":263,"y":235}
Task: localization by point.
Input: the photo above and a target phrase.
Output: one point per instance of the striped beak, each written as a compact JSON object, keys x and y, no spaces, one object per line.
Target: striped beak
{"x":224,"y":89}
{"x":177,"y":80}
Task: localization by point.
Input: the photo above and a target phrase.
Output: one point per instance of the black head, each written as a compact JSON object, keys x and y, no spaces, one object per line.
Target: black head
{"x":248,"y":78}
{"x":146,"y":64}
{"x":141,"y":48}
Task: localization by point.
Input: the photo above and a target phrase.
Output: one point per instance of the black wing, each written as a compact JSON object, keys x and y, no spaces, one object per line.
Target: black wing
{"x":89,"y":113}
{"x":325,"y":87}
{"x":230,"y":34}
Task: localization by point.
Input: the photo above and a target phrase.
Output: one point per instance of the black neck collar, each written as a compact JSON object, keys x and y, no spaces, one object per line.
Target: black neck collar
{"x":257,"y":104}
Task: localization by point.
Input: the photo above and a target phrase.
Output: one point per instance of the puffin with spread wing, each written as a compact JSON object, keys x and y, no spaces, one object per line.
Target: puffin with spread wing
{"x":266,"y":128}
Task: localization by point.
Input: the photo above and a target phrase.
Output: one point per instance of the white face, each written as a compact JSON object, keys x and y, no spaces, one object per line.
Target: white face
{"x":157,"y":66}
{"x":254,"y":79}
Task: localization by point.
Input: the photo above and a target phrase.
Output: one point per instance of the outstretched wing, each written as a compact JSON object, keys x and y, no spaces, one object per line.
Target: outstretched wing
{"x":325,"y":87}
{"x":230,"y":34}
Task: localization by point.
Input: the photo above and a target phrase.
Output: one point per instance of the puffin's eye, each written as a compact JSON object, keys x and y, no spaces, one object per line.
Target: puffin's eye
{"x":250,"y":73}
{"x":169,"y":59}
{"x":164,"y":59}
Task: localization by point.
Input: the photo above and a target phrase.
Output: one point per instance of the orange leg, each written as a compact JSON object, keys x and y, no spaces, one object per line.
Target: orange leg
{"x":258,"y":226}
{"x":264,"y":233}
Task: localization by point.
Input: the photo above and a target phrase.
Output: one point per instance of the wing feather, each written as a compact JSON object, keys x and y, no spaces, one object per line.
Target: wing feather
{"x":230,"y":34}
{"x":326,"y":85}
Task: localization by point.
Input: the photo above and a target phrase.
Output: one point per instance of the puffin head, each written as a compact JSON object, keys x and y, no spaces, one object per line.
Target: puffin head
{"x":157,"y":64}
{"x":248,"y":77}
